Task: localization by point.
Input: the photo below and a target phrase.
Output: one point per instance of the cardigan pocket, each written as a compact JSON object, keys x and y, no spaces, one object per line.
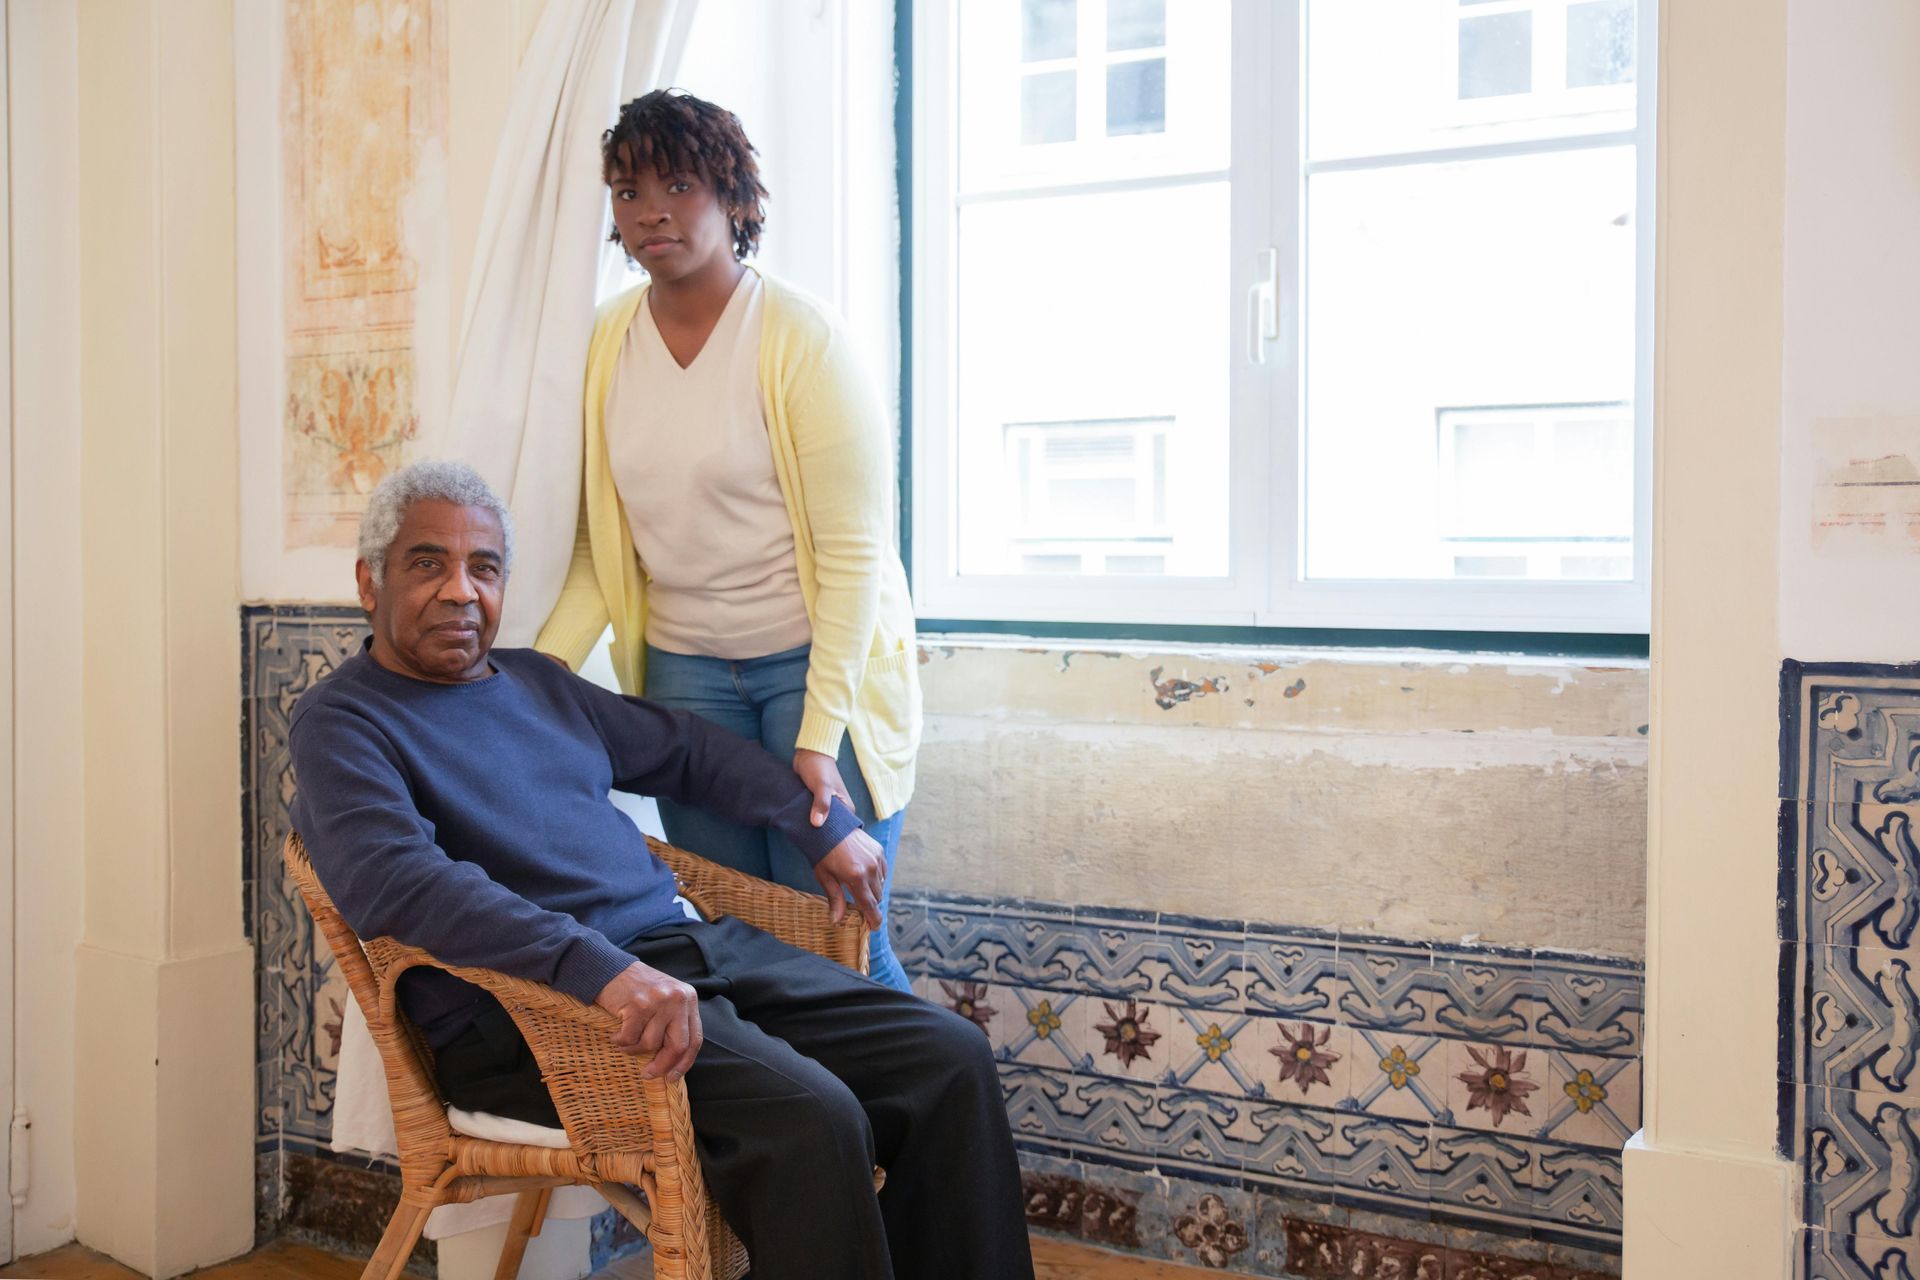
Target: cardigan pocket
{"x":890,"y":697}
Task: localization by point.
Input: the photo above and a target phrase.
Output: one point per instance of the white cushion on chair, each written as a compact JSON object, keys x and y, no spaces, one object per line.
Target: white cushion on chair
{"x":491,"y":1128}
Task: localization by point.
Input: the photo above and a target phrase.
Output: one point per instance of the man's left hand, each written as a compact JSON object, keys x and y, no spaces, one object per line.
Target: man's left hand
{"x":821,"y":773}
{"x":856,"y":868}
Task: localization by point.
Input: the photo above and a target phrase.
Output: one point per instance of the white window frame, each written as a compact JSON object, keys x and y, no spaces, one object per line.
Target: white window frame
{"x":1265,"y":584}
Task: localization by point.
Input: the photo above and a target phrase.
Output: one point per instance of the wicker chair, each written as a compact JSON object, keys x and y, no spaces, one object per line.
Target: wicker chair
{"x":624,"y":1129}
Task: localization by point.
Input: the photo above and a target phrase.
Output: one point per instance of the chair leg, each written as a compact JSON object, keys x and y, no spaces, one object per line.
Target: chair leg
{"x":529,"y":1214}
{"x":396,"y":1242}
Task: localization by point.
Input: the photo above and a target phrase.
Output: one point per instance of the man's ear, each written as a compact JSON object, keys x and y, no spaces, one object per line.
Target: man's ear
{"x":363,"y":578}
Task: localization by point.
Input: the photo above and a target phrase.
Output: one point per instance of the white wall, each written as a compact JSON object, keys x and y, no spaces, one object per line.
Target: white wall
{"x":49,"y":815}
{"x":1851,"y":355}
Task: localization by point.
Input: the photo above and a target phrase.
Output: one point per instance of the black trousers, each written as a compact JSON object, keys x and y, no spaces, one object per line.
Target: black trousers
{"x":810,"y":1076}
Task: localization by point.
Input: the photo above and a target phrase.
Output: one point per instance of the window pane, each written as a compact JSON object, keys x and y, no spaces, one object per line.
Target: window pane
{"x":1130,"y":116}
{"x":1091,"y":432}
{"x":1389,"y":76}
{"x":1137,"y":97}
{"x":1496,"y":54}
{"x":1136,"y":24}
{"x":1046,"y":107}
{"x":1599,"y":43}
{"x":1047,"y":29}
{"x":1470,"y":375}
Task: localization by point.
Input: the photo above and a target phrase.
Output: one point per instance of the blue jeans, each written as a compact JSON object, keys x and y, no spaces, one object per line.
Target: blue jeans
{"x":761,"y":700}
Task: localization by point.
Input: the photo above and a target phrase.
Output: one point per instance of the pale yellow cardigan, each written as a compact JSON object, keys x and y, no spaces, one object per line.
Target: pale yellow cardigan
{"x":833,"y":454}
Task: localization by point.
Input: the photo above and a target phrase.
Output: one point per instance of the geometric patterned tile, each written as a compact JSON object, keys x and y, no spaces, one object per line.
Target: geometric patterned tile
{"x":1204,"y":960}
{"x":1850,"y":1001}
{"x":1291,"y":972}
{"x":1863,"y":1162}
{"x":1862,"y":1019}
{"x":1214,"y":1051}
{"x":1400,"y":1076}
{"x":1118,"y":954}
{"x":1173,"y":1033}
{"x":1591,"y":1101}
{"x":1825,"y":1256}
{"x":1378,"y":1157}
{"x":1589,"y":1005}
{"x":1494,"y":997}
{"x":1385,"y":984}
{"x":1578,"y":1189}
{"x":1039,"y":1028}
{"x":284,"y":649}
{"x":1483,"y":1174}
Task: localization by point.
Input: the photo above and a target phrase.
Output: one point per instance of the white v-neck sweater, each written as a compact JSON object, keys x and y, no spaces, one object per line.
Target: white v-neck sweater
{"x":694,"y":467}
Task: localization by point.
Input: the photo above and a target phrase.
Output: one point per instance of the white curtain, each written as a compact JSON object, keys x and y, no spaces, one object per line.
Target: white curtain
{"x":516,"y":397}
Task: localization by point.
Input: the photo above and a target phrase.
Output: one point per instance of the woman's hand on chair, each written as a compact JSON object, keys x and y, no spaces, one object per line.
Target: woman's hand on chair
{"x":659,"y":1014}
{"x":855,"y":868}
{"x":821,"y":773}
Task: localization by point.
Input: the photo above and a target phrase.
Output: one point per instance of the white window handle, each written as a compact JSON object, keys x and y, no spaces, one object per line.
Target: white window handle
{"x":1263,"y":306}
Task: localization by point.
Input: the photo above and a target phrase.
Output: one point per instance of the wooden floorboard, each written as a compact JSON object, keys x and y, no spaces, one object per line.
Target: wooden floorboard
{"x":1053,"y":1260}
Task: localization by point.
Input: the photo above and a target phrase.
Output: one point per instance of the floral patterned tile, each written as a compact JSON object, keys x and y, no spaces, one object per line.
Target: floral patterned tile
{"x":1311,"y":1063}
{"x":1208,"y":1226}
{"x":1400,"y":1076}
{"x":1495,"y":1087}
{"x":1130,"y":1038}
{"x":1591,"y":1101}
{"x":970,"y":999}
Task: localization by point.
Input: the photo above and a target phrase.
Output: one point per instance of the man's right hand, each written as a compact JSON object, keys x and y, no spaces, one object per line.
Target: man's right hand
{"x":658,"y":1015}
{"x":855,"y":868}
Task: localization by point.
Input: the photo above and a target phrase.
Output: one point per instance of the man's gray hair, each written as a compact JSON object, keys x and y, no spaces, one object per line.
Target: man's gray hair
{"x":428,"y":480}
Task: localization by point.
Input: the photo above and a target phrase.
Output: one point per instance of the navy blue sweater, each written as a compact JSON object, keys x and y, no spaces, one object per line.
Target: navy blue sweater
{"x":472,"y":819}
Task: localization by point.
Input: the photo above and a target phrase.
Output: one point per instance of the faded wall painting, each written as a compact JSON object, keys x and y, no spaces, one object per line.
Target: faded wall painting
{"x":1866,"y":493}
{"x":364,"y":103}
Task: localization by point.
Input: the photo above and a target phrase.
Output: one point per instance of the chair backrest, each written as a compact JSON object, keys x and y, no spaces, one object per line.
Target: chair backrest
{"x":419,"y":1113}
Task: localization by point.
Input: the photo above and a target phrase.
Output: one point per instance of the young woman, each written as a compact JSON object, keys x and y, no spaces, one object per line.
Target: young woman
{"x":738,"y":517}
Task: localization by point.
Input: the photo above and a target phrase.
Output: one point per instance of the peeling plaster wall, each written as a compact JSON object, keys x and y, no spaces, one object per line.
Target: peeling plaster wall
{"x":1422,"y":796}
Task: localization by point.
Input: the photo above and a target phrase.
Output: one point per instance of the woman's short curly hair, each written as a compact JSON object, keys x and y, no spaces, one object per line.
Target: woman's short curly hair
{"x":676,"y":132}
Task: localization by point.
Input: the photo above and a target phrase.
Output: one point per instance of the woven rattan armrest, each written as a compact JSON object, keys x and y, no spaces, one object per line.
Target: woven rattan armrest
{"x":798,"y":919}
{"x":608,"y":1106}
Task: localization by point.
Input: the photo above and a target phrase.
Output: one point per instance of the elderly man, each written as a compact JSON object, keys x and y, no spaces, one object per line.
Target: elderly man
{"x":455,"y":797}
